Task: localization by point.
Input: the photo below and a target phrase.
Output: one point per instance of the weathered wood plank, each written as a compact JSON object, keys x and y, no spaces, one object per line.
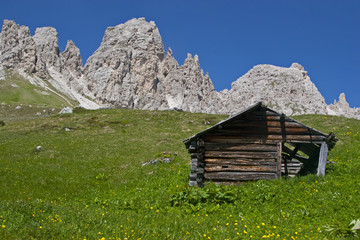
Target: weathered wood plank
{"x":233,"y":183}
{"x":239,"y":161}
{"x":263,"y":130}
{"x":322,"y":159}
{"x":290,"y":165}
{"x":279,"y":158}
{"x":223,"y":154}
{"x":305,"y":138}
{"x":243,"y":123}
{"x":244,"y":141}
{"x":238,"y":176}
{"x":266,"y":117}
{"x":239,"y":168}
{"x":240,"y":147}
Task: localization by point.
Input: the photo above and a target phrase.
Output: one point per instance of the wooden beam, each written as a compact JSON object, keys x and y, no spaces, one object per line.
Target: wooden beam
{"x":279,"y":158}
{"x":264,"y":130}
{"x":322,"y":159}
{"x":241,"y":161}
{"x":239,"y":168}
{"x":240,"y":147}
{"x":217,"y":137}
{"x":294,"y":152}
{"x":239,"y":176}
{"x":243,"y":123}
{"x":219,"y":154}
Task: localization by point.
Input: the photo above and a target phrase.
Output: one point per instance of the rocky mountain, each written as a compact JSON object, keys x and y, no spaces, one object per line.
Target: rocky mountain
{"x":131,"y":70}
{"x":292,"y":88}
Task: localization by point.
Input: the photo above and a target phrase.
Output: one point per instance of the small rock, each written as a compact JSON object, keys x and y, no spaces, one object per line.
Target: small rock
{"x":67,"y":129}
{"x":2,"y":73}
{"x":206,"y":122}
{"x":66,"y":110}
{"x":38,"y":149}
{"x":30,"y":106}
{"x":166,"y":160}
{"x":38,"y":113}
{"x":18,"y":107}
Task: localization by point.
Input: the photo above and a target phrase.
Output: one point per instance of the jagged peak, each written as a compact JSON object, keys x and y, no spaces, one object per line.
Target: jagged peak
{"x":136,"y":33}
{"x":192,"y":60}
{"x":342,"y":99}
{"x":189,"y":57}
{"x":196,"y":58}
{"x":297,"y":66}
{"x":45,"y":35}
{"x":22,"y":31}
{"x":70,"y":45}
{"x":7,"y":22}
{"x":46,"y":30}
{"x":133,"y":22}
{"x":169,"y":52}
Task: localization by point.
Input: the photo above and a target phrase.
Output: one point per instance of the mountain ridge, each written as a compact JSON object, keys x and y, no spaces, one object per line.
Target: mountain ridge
{"x":131,"y":70}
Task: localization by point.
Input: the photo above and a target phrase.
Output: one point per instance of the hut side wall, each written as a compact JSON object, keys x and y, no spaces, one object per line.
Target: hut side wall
{"x":240,"y":161}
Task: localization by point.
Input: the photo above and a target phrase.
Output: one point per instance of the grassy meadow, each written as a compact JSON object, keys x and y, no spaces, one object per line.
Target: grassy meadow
{"x":19,"y":99}
{"x":87,"y":182}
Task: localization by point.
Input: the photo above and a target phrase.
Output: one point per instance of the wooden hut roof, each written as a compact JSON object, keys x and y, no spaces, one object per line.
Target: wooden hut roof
{"x":329,"y":138}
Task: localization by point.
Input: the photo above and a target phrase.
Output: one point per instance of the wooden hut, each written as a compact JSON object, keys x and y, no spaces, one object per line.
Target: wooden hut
{"x":257,"y":143}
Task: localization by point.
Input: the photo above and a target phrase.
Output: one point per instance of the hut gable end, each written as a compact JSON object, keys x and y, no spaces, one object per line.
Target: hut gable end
{"x":257,"y":143}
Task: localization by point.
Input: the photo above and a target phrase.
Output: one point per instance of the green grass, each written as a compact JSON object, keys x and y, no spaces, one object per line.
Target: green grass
{"x":15,"y":91}
{"x":88,"y":183}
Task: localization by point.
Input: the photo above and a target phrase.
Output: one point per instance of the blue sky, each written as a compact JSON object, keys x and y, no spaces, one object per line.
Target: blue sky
{"x":230,"y":37}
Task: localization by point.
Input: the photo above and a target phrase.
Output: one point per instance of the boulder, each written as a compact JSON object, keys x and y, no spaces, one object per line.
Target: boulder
{"x":66,"y":110}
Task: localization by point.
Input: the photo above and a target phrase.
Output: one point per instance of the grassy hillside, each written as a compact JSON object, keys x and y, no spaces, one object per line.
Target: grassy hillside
{"x":87,"y":182}
{"x":15,"y":91}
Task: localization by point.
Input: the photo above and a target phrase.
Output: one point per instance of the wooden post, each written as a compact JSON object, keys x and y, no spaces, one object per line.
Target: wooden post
{"x":322,"y":159}
{"x":279,"y":158}
{"x":196,"y":150}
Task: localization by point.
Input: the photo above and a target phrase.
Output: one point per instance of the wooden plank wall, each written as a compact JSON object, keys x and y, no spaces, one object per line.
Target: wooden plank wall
{"x":248,"y":148}
{"x":240,"y":161}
